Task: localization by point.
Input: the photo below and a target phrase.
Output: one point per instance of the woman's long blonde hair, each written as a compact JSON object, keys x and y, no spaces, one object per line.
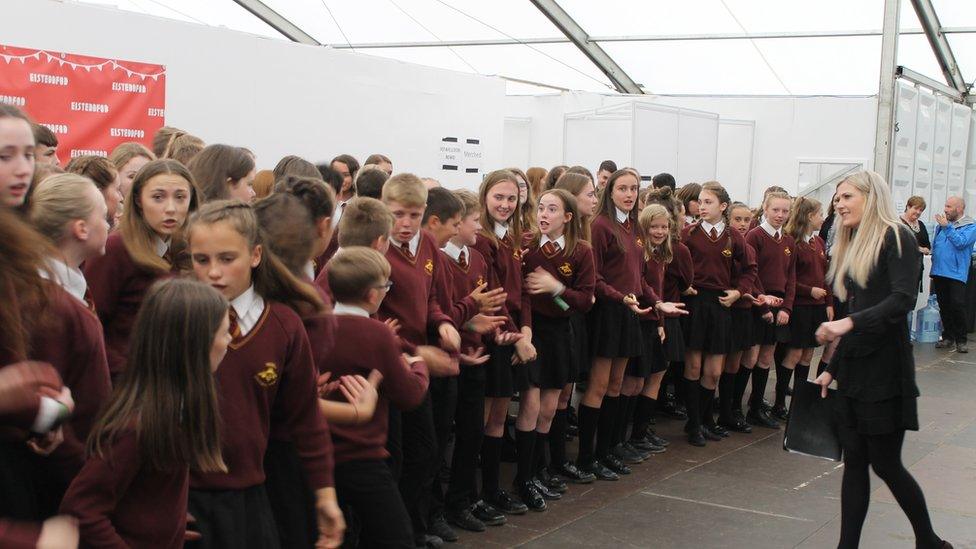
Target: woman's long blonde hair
{"x":855,"y":251}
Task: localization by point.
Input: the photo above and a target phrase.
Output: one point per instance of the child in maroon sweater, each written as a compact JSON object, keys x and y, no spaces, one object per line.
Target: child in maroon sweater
{"x":146,"y":247}
{"x":413,"y":302}
{"x":776,"y":263}
{"x":715,"y":249}
{"x":267,"y":382}
{"x":161,"y":422}
{"x":360,"y":280}
{"x":814,"y":300}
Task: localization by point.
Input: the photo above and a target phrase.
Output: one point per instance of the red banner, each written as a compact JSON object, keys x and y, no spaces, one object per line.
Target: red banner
{"x":92,"y":104}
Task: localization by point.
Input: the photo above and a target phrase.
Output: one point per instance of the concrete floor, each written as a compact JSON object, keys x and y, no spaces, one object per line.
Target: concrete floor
{"x":747,"y":492}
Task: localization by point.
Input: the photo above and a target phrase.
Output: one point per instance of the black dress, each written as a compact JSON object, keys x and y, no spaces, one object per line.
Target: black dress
{"x":922,"y":237}
{"x":874,"y":366}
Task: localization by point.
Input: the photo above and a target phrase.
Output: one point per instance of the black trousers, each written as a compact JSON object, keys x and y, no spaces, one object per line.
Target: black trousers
{"x":443,"y":399}
{"x":469,"y":421}
{"x":951,"y":295}
{"x":419,"y":443}
{"x":374,"y":511}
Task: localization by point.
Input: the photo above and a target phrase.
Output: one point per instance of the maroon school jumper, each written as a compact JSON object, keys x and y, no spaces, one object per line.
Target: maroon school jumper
{"x":618,"y":272}
{"x":713,"y":259}
{"x":120,"y":502}
{"x":72,"y":343}
{"x":461,"y":282}
{"x":413,"y":298}
{"x":776,"y":260}
{"x":19,"y":535}
{"x":117,"y":286}
{"x":576,"y":272}
{"x":268,"y":372}
{"x":679,"y":274}
{"x":750,"y":280}
{"x":362,"y":345}
{"x":654,"y":277}
{"x":811,"y":272}
{"x":505,"y":259}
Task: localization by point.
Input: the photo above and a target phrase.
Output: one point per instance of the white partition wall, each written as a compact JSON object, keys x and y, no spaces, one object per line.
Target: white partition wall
{"x":903,"y":153}
{"x":517,"y":143}
{"x":651,"y":138}
{"x":970,"y":186}
{"x":733,"y":169}
{"x":924,"y":151}
{"x":958,"y":147}
{"x":940,"y":156}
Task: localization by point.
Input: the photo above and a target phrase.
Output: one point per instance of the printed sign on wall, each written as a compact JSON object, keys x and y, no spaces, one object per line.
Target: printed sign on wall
{"x":92,"y":104}
{"x":461,"y":155}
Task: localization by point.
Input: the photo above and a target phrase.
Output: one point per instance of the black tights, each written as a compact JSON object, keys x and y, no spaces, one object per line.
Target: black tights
{"x":883,"y":453}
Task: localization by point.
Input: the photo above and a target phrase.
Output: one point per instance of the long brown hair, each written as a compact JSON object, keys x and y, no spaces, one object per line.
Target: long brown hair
{"x":138,"y":236}
{"x":664,"y":196}
{"x":536,"y":178}
{"x":607,"y":208}
{"x":574,"y":183}
{"x":271,"y":278}
{"x":215,"y":167}
{"x":663,"y":253}
{"x":125,"y":152}
{"x":572,"y":229}
{"x":553,"y":176}
{"x":24,"y":291}
{"x":487,"y":221}
{"x":798,"y":225}
{"x":527,"y":208}
{"x":168,"y":390}
{"x":97,"y":168}
{"x":287,"y":228}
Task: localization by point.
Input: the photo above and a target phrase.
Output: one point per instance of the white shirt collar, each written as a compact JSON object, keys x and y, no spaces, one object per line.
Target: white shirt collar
{"x":414,"y":243}
{"x":351,"y":310}
{"x":501,"y":229}
{"x":69,"y":278}
{"x":621,"y":215}
{"x":162,"y":246}
{"x":454,"y":252}
{"x":337,"y":214}
{"x":309,"y":270}
{"x":775,"y":233}
{"x":248,"y":306}
{"x":561,"y":241}
{"x":719,"y":227}
{"x":809,"y":237}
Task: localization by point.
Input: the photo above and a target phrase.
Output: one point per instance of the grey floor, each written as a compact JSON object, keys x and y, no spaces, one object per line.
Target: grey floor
{"x":747,"y":492}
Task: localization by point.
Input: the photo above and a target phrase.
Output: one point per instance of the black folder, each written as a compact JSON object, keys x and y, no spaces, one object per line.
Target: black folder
{"x":811,"y":429}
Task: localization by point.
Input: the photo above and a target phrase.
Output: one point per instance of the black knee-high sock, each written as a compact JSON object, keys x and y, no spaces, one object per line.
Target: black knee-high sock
{"x":643,"y":410}
{"x":759,"y":378}
{"x":692,"y":402}
{"x":541,"y":447}
{"x":557,"y":437}
{"x":741,"y":382}
{"x":706,"y":404}
{"x":625,"y":411}
{"x":726,"y":395}
{"x":491,"y":457}
{"x":525,"y":446}
{"x":605,"y":430}
{"x":589,"y":418}
{"x":677,"y":370}
{"x":783,"y":375}
{"x":821,"y":367}
{"x":800,"y":374}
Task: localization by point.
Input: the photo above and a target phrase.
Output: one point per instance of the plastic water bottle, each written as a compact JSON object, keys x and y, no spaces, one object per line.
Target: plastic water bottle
{"x":928,"y":323}
{"x":911,"y":331}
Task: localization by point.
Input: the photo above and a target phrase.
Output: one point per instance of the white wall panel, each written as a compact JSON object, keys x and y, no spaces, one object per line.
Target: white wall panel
{"x":940,"y":157}
{"x":958,"y":147}
{"x":924,"y":151}
{"x":903,"y":150}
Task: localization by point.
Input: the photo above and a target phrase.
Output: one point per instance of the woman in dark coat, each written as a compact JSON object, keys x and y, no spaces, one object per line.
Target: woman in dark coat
{"x":875,"y":264}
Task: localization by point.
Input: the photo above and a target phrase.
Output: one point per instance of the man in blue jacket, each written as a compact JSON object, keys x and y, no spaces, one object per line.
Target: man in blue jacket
{"x":952,"y":248}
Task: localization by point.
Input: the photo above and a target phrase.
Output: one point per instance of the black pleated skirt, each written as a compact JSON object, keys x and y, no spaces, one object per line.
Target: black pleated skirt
{"x":651,"y":359}
{"x":709,"y":325}
{"x":555,"y":365}
{"x":674,"y":342}
{"x":768,"y":333}
{"x":234,"y":518}
{"x":292,"y":503}
{"x":803,"y":325}
{"x":743,"y":334}
{"x":869,"y":418}
{"x":614,"y":330}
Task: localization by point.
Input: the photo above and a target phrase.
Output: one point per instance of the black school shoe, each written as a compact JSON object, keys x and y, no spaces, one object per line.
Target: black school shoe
{"x":571,"y":473}
{"x":626,"y":455}
{"x":672,"y":409}
{"x":760,"y":419}
{"x":465,"y":520}
{"x":439,"y":528}
{"x":611,"y":462}
{"x":709,"y":434}
{"x":546,"y":492}
{"x":530,"y":496}
{"x":599,"y":470}
{"x":735,"y":424}
{"x":719,"y":430}
{"x":488,"y":514}
{"x":553,"y":482}
{"x":779,"y":412}
{"x":646,"y":445}
{"x":429,"y":542}
{"x":695,"y":437}
{"x":505,"y":503}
